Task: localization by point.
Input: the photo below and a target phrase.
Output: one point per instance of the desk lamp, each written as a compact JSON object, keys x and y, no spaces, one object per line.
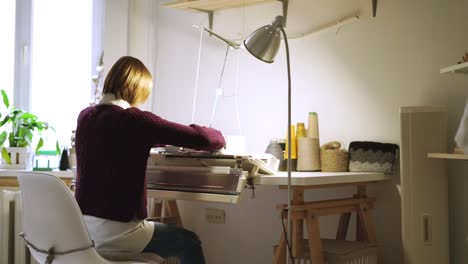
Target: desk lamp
{"x":264,"y":43}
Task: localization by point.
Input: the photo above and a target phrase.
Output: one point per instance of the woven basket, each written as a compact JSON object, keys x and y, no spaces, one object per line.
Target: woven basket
{"x":332,"y":158}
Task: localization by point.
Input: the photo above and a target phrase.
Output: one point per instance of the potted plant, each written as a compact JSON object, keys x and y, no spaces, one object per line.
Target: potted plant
{"x":18,"y":128}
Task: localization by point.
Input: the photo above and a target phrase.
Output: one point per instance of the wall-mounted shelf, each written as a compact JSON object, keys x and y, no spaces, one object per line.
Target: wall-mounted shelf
{"x":214,"y":5}
{"x":211,"y":6}
{"x":447,"y":156}
{"x":459,"y":68}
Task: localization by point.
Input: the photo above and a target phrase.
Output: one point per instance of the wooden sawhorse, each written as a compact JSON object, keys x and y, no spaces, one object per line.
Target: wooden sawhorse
{"x":165,"y":211}
{"x":309,"y":212}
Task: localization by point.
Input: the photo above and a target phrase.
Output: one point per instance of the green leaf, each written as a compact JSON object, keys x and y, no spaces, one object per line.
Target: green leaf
{"x":40,"y":144}
{"x":3,"y":137}
{"x":16,"y":112}
{"x":6,"y":102}
{"x":5,"y":120}
{"x":11,"y":140}
{"x":57,"y":147}
{"x":5,"y":155}
{"x":27,"y":115}
{"x":28,"y":137}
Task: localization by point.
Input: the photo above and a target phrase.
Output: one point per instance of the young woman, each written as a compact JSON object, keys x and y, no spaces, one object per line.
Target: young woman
{"x":113,"y":141}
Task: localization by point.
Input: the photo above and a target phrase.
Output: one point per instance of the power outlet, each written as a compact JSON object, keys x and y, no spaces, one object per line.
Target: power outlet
{"x":215,"y":216}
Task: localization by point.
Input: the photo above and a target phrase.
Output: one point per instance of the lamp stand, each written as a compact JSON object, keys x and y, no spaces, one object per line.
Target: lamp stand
{"x":289,"y":143}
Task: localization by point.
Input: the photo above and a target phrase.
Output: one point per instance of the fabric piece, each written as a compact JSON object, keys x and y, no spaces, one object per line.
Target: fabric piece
{"x":123,"y":237}
{"x":112,"y":149}
{"x":461,"y":138}
{"x":372,"y":156}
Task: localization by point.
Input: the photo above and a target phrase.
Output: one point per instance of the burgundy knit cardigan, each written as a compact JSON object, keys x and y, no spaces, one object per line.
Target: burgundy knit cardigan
{"x":112,"y":148}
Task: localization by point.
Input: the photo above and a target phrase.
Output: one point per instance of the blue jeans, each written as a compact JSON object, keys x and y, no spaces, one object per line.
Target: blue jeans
{"x":172,"y":241}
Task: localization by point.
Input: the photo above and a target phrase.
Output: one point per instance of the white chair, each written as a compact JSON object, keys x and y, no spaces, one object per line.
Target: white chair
{"x":53,"y":227}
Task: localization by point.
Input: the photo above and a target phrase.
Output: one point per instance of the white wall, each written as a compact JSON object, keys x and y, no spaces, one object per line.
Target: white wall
{"x":130,"y":30}
{"x":356,"y":80}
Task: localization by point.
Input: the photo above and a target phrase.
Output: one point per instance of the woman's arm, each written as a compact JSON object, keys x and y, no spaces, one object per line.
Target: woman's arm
{"x":164,"y":132}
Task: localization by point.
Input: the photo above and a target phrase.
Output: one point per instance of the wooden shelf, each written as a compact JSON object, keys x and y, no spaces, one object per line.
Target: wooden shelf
{"x":447,"y":156}
{"x":214,"y":5}
{"x":459,"y":68}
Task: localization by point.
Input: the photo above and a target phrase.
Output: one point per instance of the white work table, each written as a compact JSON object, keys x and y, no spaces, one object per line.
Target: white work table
{"x":8,"y":177}
{"x":299,"y":180}
{"x":358,"y":203}
{"x":320,"y":178}
{"x":280,"y":178}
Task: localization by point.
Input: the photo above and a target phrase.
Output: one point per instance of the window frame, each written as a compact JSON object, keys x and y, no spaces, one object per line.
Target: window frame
{"x":23,"y":45}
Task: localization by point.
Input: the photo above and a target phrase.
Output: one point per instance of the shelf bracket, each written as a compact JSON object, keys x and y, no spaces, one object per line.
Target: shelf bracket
{"x":374,"y":8}
{"x":210,"y":13}
{"x":285,"y":4}
{"x":210,"y":16}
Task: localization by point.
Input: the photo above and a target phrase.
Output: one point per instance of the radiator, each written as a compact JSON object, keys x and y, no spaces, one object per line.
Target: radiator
{"x":12,"y":247}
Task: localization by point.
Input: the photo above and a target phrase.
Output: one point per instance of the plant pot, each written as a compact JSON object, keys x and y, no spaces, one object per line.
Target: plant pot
{"x":21,"y":159}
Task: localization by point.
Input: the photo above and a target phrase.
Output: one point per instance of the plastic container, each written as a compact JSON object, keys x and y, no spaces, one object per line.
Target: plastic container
{"x":46,"y":160}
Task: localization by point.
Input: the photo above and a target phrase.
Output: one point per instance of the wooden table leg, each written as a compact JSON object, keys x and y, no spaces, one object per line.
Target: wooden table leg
{"x":315,"y":243}
{"x":343,"y":226}
{"x":170,"y":208}
{"x":154,"y":208}
{"x":297,"y":230}
{"x":280,"y":252}
{"x":360,"y":233}
{"x":366,"y":223}
{"x":157,"y":208}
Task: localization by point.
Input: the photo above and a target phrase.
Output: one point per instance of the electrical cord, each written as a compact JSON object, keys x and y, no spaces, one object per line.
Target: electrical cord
{"x":285,"y":210}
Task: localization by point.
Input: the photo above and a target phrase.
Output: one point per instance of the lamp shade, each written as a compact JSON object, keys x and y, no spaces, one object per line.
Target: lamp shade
{"x":264,"y":42}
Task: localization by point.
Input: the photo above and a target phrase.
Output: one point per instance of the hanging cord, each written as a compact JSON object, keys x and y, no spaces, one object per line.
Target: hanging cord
{"x":198,"y":75}
{"x":285,"y":235}
{"x":219,"y":90}
{"x":51,"y":253}
{"x":236,"y":91}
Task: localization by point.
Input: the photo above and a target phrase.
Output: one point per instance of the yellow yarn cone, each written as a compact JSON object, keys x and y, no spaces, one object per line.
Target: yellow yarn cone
{"x":293,"y":144}
{"x":301,"y":131}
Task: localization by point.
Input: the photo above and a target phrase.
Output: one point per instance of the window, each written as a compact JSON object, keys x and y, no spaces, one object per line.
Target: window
{"x":61,"y":63}
{"x":7,"y":45}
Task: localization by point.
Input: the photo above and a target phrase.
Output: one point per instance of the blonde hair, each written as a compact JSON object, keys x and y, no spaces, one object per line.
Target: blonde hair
{"x":129,"y":80}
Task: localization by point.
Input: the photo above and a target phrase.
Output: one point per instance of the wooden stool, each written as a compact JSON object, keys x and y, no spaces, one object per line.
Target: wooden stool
{"x":309,"y":213}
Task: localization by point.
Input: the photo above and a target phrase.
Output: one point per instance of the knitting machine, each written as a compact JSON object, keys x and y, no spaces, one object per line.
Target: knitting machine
{"x":219,"y":177}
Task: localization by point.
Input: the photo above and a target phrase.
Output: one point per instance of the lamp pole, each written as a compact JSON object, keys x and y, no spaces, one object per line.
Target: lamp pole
{"x":289,"y":138}
{"x":264,"y":44}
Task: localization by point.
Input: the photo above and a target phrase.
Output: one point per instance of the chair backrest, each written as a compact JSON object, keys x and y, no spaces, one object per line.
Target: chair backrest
{"x":51,"y":216}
